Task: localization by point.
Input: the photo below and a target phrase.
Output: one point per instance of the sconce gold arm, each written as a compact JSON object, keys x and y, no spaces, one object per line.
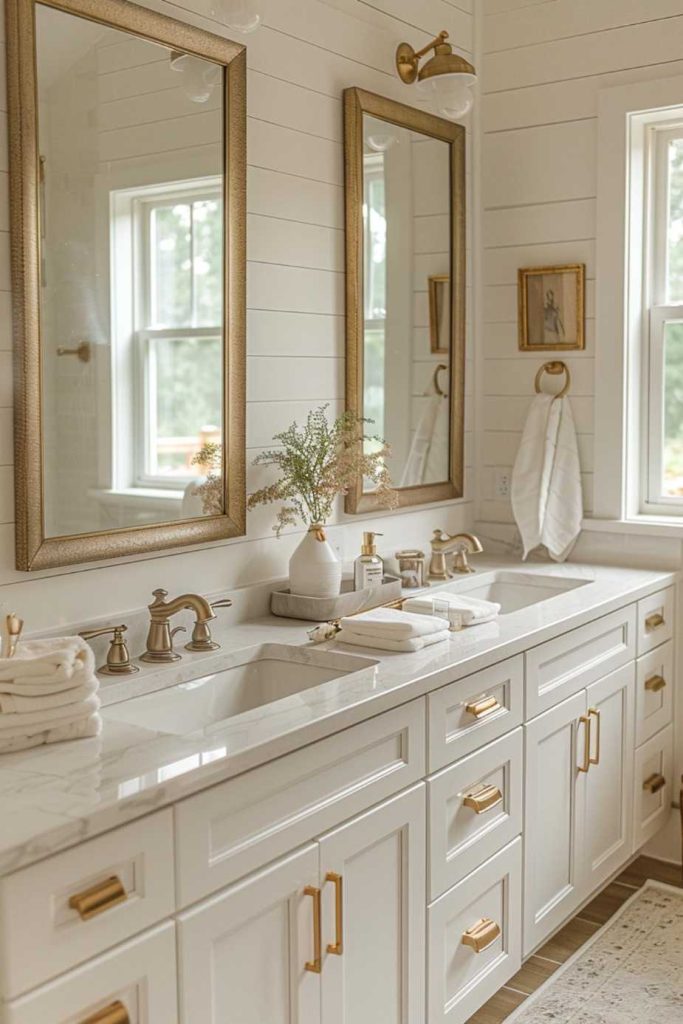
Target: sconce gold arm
{"x":444,"y":60}
{"x":83,"y":351}
{"x":481,"y":935}
{"x":654,"y":621}
{"x":655,"y":683}
{"x":316,"y":964}
{"x":596,"y":715}
{"x":98,"y":898}
{"x":654,"y":783}
{"x":585,"y":720}
{"x":114,"y":1014}
{"x":483,"y":799}
{"x":480,"y":708}
{"x":337,"y":947}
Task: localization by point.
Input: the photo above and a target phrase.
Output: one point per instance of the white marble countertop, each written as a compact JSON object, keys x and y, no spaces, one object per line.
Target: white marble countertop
{"x":53,"y":797}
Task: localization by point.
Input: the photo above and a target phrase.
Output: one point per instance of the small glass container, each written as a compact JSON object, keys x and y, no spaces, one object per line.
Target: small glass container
{"x":411,"y":568}
{"x":444,"y":610}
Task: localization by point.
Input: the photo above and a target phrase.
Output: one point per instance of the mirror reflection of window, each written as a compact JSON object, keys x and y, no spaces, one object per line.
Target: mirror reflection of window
{"x":375,"y":245}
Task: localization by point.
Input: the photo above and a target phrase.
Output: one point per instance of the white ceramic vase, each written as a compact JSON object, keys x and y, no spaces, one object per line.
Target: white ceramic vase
{"x":314,"y":569}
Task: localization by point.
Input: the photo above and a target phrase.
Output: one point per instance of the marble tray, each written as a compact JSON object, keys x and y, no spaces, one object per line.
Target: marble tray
{"x":348,"y":602}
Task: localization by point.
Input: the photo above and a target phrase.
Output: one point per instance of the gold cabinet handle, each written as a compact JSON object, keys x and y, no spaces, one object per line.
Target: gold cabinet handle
{"x":98,"y":898}
{"x":655,"y":683}
{"x":654,"y":783}
{"x":483,"y":798}
{"x":585,"y":720}
{"x":316,"y":964}
{"x":596,"y":715}
{"x":114,"y":1014}
{"x":481,"y":935}
{"x":337,"y":947}
{"x":482,"y":707}
{"x":654,"y":621}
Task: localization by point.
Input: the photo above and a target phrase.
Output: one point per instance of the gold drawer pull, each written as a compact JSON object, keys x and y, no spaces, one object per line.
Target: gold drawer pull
{"x":655,"y":683}
{"x":655,"y":783}
{"x":98,"y":898}
{"x":585,"y":720}
{"x":337,"y":947}
{"x":114,"y":1014}
{"x":598,"y":721}
{"x":654,"y":621}
{"x":483,"y":798}
{"x":482,"y":707}
{"x":316,"y":964}
{"x":481,"y":935}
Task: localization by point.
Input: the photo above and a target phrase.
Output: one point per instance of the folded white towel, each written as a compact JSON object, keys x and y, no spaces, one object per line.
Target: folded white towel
{"x":20,"y":702}
{"x":473,"y":610}
{"x":38,"y":721}
{"x":393,"y":624}
{"x":49,"y":661}
{"x":82,"y":728}
{"x":380,"y":643}
{"x":547,"y":502}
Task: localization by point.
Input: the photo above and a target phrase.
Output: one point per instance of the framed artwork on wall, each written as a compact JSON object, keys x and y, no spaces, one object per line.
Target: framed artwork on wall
{"x":551,"y":308}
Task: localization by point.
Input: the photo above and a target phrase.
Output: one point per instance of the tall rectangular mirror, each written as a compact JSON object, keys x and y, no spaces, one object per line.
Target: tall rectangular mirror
{"x":405,"y":292}
{"x":128,"y":246}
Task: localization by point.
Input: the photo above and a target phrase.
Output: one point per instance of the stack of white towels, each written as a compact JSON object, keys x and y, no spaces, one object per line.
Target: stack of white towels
{"x":48,"y":693}
{"x":472,"y":610}
{"x":387,"y":629}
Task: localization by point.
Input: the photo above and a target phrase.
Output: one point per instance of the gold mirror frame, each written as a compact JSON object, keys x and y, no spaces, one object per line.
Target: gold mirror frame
{"x":356,"y":103}
{"x":33,"y":549}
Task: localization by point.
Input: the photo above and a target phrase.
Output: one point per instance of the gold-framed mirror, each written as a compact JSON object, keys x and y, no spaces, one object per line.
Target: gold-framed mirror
{"x":405,"y":292}
{"x":127,"y":193}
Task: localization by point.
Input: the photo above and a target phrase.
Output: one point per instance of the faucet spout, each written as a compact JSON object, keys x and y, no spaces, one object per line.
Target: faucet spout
{"x":160,"y":635}
{"x":160,"y":608}
{"x":463,"y":544}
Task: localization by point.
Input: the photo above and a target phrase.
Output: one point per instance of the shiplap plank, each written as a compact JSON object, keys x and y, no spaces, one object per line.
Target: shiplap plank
{"x":286,"y":242}
{"x":292,"y":106}
{"x":6,"y":494}
{"x":288,"y":378}
{"x":278,"y":194}
{"x":516,"y":376}
{"x":492,"y":7}
{"x":501,"y":342}
{"x":197,"y":129}
{"x":6,"y":438}
{"x":5,"y":320}
{"x":265,"y":419}
{"x":430,"y":17}
{"x":294,"y":334}
{"x":501,"y":265}
{"x":281,"y":149}
{"x":499,"y":448}
{"x":545,"y":222}
{"x":512,"y":413}
{"x":294,"y":289}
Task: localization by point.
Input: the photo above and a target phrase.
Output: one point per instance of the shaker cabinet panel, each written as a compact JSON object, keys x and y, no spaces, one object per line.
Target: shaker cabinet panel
{"x":653,"y":785}
{"x":655,"y":686}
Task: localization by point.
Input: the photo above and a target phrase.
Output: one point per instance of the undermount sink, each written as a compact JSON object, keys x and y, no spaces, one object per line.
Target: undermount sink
{"x":514,"y":590}
{"x":267,"y":674}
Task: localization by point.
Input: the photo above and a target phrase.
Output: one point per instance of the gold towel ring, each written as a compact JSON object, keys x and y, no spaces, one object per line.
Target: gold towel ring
{"x":437,"y":387}
{"x":554,"y":367}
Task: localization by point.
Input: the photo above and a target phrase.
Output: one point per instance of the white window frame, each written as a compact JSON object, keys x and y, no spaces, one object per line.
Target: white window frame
{"x":132,"y":336}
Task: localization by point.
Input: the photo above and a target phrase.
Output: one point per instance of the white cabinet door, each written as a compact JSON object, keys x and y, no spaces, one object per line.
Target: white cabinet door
{"x":242,"y":954}
{"x":554,"y":817}
{"x":609,"y":782}
{"x":373,"y":876}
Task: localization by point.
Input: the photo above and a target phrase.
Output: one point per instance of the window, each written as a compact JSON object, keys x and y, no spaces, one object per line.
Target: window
{"x":167,"y":241}
{"x":662,"y":476}
{"x":374,"y":291}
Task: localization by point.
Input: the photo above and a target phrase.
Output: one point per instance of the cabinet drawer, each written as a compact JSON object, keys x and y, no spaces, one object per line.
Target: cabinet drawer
{"x":655,"y":620}
{"x":42,"y":935}
{"x":475,"y":809}
{"x":234,"y":828}
{"x":561,"y":667}
{"x":460,"y":978}
{"x":654,"y":691}
{"x":137,"y":979}
{"x":653,"y":785}
{"x":457,"y":727}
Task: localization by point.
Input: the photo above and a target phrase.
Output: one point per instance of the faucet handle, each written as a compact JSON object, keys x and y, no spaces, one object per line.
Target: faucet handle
{"x":201,"y":634}
{"x":223,"y":603}
{"x":118,"y":658}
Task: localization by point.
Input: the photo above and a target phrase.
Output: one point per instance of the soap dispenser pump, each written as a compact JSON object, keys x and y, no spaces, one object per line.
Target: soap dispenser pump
{"x":368,"y":569}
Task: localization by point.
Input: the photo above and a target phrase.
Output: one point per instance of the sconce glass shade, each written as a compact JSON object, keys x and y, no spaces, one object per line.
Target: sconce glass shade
{"x":242,"y":15}
{"x":450,"y":94}
{"x":200,"y":77}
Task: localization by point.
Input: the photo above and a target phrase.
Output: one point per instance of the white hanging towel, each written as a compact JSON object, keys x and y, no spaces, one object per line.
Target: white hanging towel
{"x":547,"y":502}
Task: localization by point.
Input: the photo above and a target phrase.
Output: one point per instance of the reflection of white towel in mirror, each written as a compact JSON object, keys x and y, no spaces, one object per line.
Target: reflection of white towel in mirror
{"x":427,"y":460}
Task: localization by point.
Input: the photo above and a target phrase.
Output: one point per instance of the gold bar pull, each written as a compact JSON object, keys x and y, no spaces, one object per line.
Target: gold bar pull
{"x":483,"y":798}
{"x":114,"y":1014}
{"x":655,"y":783}
{"x":655,"y":683}
{"x":481,"y":935}
{"x":585,"y":720}
{"x":596,"y":715}
{"x":482,"y":707}
{"x":654,"y":621}
{"x":98,"y":898}
{"x":316,"y":964}
{"x":337,"y":947}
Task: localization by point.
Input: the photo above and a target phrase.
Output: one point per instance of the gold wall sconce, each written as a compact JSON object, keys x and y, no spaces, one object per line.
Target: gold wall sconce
{"x":446,"y":79}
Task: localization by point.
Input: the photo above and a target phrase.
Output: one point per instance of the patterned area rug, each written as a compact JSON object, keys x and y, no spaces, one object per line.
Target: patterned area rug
{"x":630,"y":972}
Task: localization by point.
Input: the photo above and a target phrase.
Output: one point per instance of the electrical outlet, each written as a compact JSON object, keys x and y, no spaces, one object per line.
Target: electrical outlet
{"x":502,"y":483}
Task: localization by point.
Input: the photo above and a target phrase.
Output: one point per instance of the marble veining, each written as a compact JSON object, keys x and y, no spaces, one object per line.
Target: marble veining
{"x":54,"y":797}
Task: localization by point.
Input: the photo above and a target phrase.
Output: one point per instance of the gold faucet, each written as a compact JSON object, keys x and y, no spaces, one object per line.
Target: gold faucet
{"x":160,"y":635}
{"x":460,"y":543}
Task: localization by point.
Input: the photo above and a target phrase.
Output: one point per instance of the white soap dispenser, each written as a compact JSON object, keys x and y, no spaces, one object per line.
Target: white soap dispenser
{"x":368,"y":569}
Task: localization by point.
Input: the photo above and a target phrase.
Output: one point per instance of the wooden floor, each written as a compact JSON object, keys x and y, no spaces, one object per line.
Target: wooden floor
{"x":593,"y":916}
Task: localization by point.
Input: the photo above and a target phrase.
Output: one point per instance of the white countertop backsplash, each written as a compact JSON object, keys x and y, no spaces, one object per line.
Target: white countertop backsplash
{"x":55,"y":796}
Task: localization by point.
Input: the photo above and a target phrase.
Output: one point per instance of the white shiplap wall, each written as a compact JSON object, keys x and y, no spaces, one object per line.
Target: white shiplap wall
{"x":543,"y":64}
{"x":299,"y":62}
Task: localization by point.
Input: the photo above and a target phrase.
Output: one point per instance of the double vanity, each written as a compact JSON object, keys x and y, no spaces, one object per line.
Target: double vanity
{"x":280,"y":832}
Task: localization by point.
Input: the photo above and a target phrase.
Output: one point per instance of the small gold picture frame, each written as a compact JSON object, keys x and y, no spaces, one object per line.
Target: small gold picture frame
{"x":552,"y":308}
{"x":440,"y":314}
